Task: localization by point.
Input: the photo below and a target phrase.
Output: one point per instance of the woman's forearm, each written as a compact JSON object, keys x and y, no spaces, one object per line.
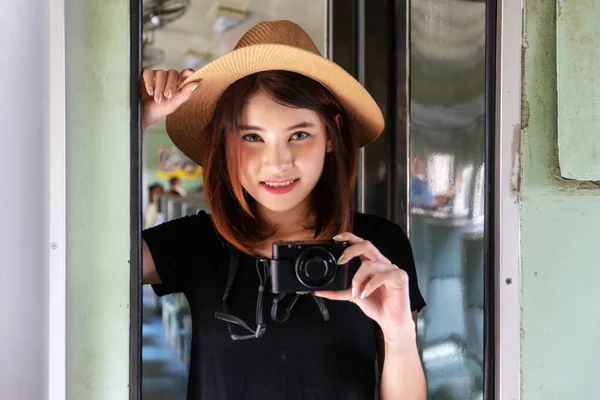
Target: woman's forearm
{"x":403,"y":377}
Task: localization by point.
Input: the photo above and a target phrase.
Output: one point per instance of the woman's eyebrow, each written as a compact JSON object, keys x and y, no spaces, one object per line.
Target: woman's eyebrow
{"x":301,"y":125}
{"x":291,"y":128}
{"x":251,"y":128}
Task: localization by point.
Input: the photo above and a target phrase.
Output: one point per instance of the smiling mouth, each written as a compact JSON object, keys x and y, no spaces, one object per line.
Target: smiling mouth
{"x":279,"y":183}
{"x":279,"y":187}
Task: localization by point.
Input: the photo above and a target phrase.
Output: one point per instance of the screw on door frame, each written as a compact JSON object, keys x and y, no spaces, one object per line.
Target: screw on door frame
{"x":508,"y":281}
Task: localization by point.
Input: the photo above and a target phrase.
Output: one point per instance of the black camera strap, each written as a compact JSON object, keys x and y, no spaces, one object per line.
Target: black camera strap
{"x":288,"y":310}
{"x":322,"y":307}
{"x":232,"y":319}
{"x":263,"y":275}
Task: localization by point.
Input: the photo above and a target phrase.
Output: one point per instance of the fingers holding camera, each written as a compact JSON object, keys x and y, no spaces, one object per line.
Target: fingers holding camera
{"x":348,"y":237}
{"x":339,"y":295}
{"x":370,"y":276}
{"x":373,"y":264}
{"x":368,"y":271}
{"x":390,"y":277}
{"x":379,"y":287}
{"x":359,"y":248}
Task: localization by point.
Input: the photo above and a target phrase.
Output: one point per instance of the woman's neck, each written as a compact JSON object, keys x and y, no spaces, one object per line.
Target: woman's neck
{"x":290,"y":224}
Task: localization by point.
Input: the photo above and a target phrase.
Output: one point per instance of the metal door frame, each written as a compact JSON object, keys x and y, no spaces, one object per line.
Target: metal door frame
{"x":135,"y":228}
{"x":57,"y":204}
{"x":490,"y":222}
{"x":509,"y":39}
{"x":502,"y":372}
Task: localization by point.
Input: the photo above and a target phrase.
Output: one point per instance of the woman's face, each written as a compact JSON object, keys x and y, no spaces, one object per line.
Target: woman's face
{"x":282,"y":152}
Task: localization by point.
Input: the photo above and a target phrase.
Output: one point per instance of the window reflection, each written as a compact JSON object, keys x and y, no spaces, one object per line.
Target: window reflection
{"x":446,"y":207}
{"x":479,"y":196}
{"x":439,"y":173}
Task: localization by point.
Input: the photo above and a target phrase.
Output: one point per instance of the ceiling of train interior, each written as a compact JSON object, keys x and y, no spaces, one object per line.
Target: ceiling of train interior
{"x":182,"y":34}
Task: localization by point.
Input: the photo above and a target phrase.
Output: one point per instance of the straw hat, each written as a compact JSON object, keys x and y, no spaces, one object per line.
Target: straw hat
{"x":273,"y":45}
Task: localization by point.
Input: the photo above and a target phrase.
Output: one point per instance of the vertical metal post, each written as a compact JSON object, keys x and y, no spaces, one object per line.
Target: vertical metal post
{"x":399,"y":174}
{"x":360,"y":178}
{"x":507,"y":329}
{"x":57,"y":217}
{"x":489,"y":277}
{"x":135,"y":342}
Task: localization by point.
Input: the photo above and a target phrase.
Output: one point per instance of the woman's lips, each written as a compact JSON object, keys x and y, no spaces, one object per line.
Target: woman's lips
{"x":279,"y":187}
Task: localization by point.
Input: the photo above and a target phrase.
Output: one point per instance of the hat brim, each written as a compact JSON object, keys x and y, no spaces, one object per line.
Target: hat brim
{"x":187,"y":125}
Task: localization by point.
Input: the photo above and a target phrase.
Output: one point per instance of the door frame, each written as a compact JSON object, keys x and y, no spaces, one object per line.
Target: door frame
{"x":57,"y":204}
{"x":504,"y":73}
{"x":135,"y":227}
{"x":509,"y":39}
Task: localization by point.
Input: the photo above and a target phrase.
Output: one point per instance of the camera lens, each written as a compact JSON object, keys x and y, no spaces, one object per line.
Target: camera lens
{"x":316,"y":267}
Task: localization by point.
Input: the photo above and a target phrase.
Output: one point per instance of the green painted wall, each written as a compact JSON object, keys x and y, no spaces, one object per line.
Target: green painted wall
{"x":578,"y":78}
{"x":560,"y":233}
{"x":97,"y":62}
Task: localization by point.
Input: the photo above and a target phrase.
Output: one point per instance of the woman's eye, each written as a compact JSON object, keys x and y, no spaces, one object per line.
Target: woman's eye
{"x":299,"y":136}
{"x":252,"y":137}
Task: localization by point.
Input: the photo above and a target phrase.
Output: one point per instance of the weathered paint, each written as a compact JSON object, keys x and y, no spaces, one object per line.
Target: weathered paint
{"x":578,"y":78}
{"x":560,"y":230}
{"x":97,"y":60}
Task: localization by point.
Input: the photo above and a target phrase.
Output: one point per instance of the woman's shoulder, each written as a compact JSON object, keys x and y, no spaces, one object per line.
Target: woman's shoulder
{"x":368,"y":225}
{"x":201,"y":220}
{"x":386,"y":235}
{"x":184,"y":230}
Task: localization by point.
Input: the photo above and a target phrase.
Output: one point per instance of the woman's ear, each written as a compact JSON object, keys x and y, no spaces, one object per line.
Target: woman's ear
{"x":329,"y":147}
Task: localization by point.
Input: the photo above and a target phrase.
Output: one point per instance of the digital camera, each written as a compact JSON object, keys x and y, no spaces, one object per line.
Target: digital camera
{"x":307,"y":266}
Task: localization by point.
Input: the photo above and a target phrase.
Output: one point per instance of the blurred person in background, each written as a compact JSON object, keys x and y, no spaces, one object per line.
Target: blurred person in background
{"x":151,"y":216}
{"x":175,"y":188}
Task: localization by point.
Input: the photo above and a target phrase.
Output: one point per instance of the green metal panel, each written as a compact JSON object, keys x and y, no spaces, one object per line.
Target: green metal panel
{"x":578,"y":71}
{"x":560,"y":222}
{"x":97,"y":60}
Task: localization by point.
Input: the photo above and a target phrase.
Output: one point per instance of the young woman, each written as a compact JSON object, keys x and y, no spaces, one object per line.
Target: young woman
{"x":276,"y":128}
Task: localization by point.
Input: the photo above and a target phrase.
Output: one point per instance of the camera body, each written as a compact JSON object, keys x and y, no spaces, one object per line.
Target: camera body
{"x":308,"y":266}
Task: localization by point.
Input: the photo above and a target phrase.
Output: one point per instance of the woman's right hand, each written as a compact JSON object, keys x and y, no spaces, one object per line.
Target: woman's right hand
{"x":160,"y":96}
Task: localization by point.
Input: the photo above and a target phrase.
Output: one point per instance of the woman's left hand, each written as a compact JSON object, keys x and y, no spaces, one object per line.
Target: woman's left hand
{"x":379,"y":288}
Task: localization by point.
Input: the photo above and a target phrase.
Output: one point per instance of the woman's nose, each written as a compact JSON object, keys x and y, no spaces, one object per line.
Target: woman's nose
{"x":278,"y":156}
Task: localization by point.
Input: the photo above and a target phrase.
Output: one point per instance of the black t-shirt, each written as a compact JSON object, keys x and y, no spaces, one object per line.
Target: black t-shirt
{"x":303,"y":358}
